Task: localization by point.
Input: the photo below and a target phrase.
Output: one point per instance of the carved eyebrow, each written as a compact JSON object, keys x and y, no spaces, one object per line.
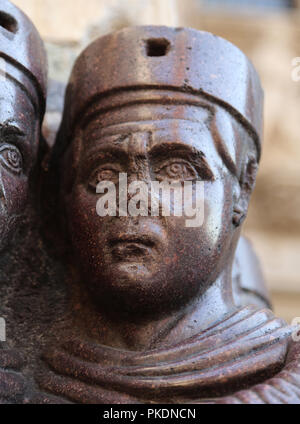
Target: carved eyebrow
{"x":166,"y":148}
{"x":164,"y":151}
{"x":9,"y":128}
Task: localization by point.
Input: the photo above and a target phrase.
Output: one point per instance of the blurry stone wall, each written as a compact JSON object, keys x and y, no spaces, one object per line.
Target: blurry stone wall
{"x":271,"y":40}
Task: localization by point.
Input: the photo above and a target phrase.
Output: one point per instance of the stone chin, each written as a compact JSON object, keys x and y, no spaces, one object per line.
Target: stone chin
{"x":144,"y":289}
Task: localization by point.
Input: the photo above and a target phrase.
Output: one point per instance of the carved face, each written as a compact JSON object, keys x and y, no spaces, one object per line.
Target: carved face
{"x":18,"y":149}
{"x":149,"y":264}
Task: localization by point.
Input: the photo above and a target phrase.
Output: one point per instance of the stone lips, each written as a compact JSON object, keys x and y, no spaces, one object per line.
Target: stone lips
{"x":22,"y":46}
{"x":181,"y":59}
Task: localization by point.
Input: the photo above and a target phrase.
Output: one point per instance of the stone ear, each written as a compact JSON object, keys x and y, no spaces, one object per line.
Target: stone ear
{"x":241,"y":195}
{"x":238,"y":215}
{"x":248,"y":175}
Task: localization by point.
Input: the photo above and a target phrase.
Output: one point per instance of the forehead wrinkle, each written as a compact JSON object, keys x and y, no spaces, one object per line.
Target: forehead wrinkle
{"x":161,"y":131}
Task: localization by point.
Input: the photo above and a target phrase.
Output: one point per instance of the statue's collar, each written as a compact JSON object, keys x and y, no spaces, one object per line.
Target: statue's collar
{"x":237,"y":350}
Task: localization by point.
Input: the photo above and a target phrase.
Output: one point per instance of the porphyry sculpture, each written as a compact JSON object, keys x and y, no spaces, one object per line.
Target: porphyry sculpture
{"x":151,"y":315}
{"x":23,"y":82}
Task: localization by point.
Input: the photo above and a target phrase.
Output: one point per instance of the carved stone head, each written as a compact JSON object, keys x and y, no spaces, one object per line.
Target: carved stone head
{"x":23,"y":81}
{"x":158,"y":104}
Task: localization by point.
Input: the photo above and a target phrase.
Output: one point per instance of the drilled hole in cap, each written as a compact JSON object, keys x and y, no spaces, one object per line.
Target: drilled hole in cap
{"x":8,"y":22}
{"x":157,"y":46}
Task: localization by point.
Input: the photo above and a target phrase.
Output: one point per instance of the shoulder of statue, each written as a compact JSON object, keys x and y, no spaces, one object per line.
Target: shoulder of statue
{"x":283,"y":388}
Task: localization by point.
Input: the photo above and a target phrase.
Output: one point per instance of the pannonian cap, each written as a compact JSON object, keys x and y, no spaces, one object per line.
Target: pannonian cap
{"x":140,"y":59}
{"x":22,"y":53}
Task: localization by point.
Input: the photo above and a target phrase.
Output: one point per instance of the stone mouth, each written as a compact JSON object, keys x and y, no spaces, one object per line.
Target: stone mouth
{"x":129,"y":246}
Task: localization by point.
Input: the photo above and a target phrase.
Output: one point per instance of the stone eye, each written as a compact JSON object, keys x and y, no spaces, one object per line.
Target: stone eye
{"x":176,"y":171}
{"x":104,"y":174}
{"x":11,"y":158}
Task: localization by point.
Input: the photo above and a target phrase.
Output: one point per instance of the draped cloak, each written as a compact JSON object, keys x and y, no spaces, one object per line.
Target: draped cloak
{"x":238,"y":352}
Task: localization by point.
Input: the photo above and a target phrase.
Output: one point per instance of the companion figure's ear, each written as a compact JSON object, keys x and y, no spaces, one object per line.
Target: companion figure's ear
{"x":243,"y":190}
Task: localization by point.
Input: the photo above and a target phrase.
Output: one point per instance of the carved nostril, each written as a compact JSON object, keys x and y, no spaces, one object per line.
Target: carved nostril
{"x":157,"y":47}
{"x":8,"y":22}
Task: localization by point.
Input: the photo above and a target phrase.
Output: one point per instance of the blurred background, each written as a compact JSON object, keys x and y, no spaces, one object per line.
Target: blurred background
{"x":268,"y":31}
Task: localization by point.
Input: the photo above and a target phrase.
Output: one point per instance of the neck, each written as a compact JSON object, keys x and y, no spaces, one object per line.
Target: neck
{"x":141,"y":335}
